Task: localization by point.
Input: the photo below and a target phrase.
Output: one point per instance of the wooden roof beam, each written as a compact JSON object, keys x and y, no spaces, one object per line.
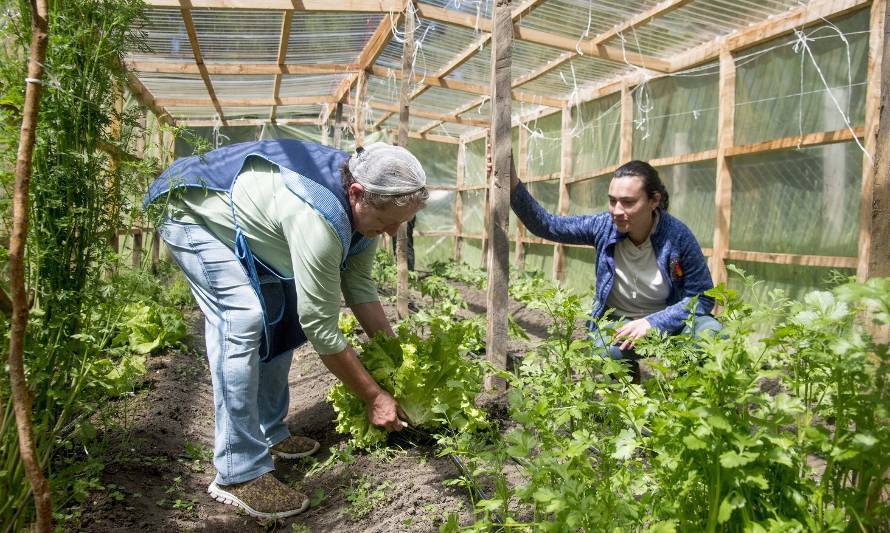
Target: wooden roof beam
{"x":283,"y":39}
{"x":185,"y":6}
{"x":249,"y":122}
{"x":144,"y":96}
{"x":246,"y":102}
{"x":370,"y":6}
{"x":166,"y":67}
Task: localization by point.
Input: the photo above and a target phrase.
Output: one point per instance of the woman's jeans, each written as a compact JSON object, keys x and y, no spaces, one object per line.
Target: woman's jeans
{"x":250,"y":397}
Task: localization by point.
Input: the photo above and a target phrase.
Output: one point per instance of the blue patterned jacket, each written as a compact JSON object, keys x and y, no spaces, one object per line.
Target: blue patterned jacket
{"x":677,"y":253}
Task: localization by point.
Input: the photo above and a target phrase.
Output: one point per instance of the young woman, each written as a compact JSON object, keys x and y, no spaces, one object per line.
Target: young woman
{"x":649,"y":265}
{"x":270,"y":234}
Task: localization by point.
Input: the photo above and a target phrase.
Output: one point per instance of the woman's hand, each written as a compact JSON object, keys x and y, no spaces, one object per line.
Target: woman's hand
{"x":384,"y":411}
{"x":630,"y":332}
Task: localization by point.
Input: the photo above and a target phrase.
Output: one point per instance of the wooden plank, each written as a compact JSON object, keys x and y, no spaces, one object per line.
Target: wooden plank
{"x":283,"y":39}
{"x":598,"y":173}
{"x":658,"y":10}
{"x":459,"y":201}
{"x":155,"y":251}
{"x":136,"y":252}
{"x":812,"y":13}
{"x":144,"y":96}
{"x":185,"y":7}
{"x":338,"y":128}
{"x":522,"y":173}
{"x":371,"y":6}
{"x":434,"y":234}
{"x":241,"y":69}
{"x":684,"y":158}
{"x":433,"y":137}
{"x":404,"y":109}
{"x":370,"y":52}
{"x":544,"y":69}
{"x":874,"y":206}
{"x":627,"y":125}
{"x":249,"y":122}
{"x":797,"y":141}
{"x":246,"y":102}
{"x":792,"y":259}
{"x":498,"y":227}
{"x":723,"y":193}
{"x":565,"y":171}
{"x":361,"y":94}
{"x":427,"y":114}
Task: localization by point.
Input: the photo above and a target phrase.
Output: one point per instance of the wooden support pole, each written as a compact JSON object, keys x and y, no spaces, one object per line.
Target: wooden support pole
{"x":155,"y":251}
{"x":486,"y":202}
{"x":338,"y":128}
{"x":499,"y":192}
{"x":522,"y":172}
{"x":565,"y":172}
{"x":358,"y":116}
{"x":404,"y":103}
{"x":136,"y":256}
{"x":723,"y":193}
{"x":874,"y":206}
{"x":459,"y":201}
{"x":627,"y":125}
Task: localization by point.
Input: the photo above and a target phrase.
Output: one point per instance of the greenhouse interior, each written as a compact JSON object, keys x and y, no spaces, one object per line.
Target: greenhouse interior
{"x":523,"y":394}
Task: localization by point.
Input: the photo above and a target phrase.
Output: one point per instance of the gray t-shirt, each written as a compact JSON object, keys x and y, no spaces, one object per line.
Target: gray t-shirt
{"x":639,"y":289}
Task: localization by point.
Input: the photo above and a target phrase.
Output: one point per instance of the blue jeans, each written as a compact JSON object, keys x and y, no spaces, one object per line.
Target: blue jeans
{"x":250,"y":397}
{"x":700,"y":325}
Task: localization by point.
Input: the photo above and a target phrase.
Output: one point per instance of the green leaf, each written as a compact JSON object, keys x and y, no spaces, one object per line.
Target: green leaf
{"x":694,"y":443}
{"x":733,"y":459}
{"x":625,"y":444}
{"x":730,"y":502}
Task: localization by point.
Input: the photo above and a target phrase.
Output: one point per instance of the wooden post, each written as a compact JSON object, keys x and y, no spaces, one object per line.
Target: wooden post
{"x":565,"y":172}
{"x":723,"y":193}
{"x":874,"y":206}
{"x":155,"y":251}
{"x":499,"y":191}
{"x":522,"y":172}
{"x":358,"y":115}
{"x":338,"y":125}
{"x":458,"y":200}
{"x":404,"y":103}
{"x":625,"y":149}
{"x":486,"y":203}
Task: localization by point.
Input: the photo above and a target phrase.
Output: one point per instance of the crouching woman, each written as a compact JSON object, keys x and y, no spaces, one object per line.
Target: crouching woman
{"x":649,"y":266}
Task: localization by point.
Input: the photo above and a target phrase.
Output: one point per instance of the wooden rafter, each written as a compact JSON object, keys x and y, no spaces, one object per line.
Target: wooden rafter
{"x":165,"y":67}
{"x":372,"y":6}
{"x":283,"y":39}
{"x":248,"y":122}
{"x":640,"y":19}
{"x":185,"y":7}
{"x":442,"y":117}
{"x":245,"y":102}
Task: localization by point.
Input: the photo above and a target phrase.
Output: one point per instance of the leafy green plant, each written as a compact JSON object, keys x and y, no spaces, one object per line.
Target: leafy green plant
{"x":364,"y":494}
{"x":431,"y":378}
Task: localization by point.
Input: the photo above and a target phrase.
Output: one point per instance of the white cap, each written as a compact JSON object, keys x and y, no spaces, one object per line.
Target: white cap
{"x":386,"y":169}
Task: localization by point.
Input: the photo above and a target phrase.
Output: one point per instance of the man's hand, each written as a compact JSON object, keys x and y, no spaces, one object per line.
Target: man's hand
{"x":384,"y":411}
{"x":630,"y":332}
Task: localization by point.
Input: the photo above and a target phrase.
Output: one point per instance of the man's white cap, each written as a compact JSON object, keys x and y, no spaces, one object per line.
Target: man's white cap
{"x":386,"y":169}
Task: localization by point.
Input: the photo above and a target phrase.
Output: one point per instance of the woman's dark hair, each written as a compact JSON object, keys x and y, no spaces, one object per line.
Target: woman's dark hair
{"x":651,"y":181}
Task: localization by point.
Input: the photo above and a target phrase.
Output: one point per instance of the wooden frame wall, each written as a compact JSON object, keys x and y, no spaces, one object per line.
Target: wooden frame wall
{"x":872,"y":186}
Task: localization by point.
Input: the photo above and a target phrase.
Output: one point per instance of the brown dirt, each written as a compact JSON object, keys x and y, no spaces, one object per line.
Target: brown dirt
{"x":153,"y":483}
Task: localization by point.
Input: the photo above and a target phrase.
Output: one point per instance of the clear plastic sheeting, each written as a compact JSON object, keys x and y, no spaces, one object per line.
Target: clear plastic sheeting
{"x":240,"y":36}
{"x":569,"y":78}
{"x":383,"y":90}
{"x":676,"y":115}
{"x":438,"y":215}
{"x":580,"y":274}
{"x":596,"y":134}
{"x":242,"y":87}
{"x":539,"y":257}
{"x":476,"y":162}
{"x":439,"y":161}
{"x":199,"y":137}
{"x":479,"y":8}
{"x":781,"y":79}
{"x":797,"y":201}
{"x":283,"y":112}
{"x":546,"y":193}
{"x":472,"y":218}
{"x":589,"y":197}
{"x":445,"y":101}
{"x":543,"y":154}
{"x":691,"y":188}
{"x":582,"y":18}
{"x":175,"y":85}
{"x":436,"y":45}
{"x":471,"y":252}
{"x":698,"y":22}
{"x":329,"y":38}
{"x":795,"y":280}
{"x":428,"y":250}
{"x":301,"y":132}
{"x":450,"y":129}
{"x":309,"y":84}
{"x":165,"y":37}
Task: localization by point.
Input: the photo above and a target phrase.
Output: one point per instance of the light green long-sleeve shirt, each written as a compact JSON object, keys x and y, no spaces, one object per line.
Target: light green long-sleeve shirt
{"x":289,"y":235}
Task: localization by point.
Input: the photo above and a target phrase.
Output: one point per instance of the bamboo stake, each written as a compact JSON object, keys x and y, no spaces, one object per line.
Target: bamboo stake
{"x":404,"y":102}
{"x":21,"y":395}
{"x":499,"y":193}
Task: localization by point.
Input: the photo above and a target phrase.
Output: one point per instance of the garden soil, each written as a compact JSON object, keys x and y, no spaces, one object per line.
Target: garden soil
{"x":158,"y":446}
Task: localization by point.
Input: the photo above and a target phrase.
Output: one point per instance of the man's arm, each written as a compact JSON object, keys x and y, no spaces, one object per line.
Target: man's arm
{"x":382,"y":407}
{"x":372,"y":318}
